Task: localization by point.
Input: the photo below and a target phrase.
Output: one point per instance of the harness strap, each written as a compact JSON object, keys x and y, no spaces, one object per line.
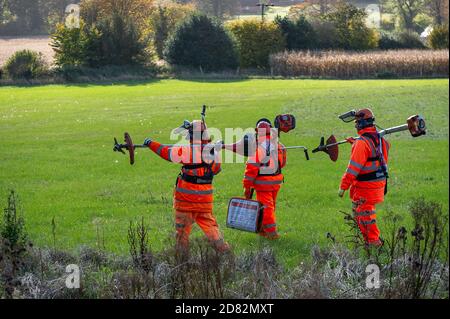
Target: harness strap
{"x":381,"y":173}
{"x":196,"y":179}
{"x":194,"y":166}
{"x":207,"y":178}
{"x":371,"y":177}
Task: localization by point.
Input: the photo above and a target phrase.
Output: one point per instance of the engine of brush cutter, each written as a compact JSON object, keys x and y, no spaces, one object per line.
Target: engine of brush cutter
{"x":416,"y":125}
{"x":285,"y":122}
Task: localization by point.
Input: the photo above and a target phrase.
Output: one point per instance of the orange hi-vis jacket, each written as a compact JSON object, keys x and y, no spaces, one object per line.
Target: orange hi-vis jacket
{"x":262,"y":172}
{"x":193,"y":190}
{"x":364,"y":169}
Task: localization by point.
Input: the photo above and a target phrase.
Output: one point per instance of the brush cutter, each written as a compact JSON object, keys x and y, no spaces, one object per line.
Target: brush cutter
{"x":285,"y":122}
{"x":247,"y":146}
{"x":415,"y":124}
{"x":130,"y":147}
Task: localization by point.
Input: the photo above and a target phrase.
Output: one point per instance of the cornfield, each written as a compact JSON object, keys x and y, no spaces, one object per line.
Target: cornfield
{"x":375,"y":64}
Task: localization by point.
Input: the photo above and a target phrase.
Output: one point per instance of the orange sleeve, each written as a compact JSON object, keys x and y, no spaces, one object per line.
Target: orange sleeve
{"x":358,"y":158}
{"x":163,"y":151}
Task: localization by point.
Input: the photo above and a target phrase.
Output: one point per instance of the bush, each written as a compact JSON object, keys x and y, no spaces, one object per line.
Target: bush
{"x":13,"y":246}
{"x":326,"y":35}
{"x":439,"y":37}
{"x":120,"y":42}
{"x":299,"y":34}
{"x":352,"y":32}
{"x":12,"y":227}
{"x":402,"y":40}
{"x":410,"y":40}
{"x":388,"y":41}
{"x":115,"y":40}
{"x":75,"y":46}
{"x":257,"y":41}
{"x":25,"y":64}
{"x":201,"y":42}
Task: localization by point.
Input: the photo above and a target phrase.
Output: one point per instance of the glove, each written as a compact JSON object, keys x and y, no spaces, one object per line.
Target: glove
{"x":341,"y":192}
{"x":350,"y":140}
{"x":248,"y":193}
{"x":147,"y":141}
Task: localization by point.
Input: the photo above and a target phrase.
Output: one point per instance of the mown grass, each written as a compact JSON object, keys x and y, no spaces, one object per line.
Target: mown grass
{"x":56,"y":152}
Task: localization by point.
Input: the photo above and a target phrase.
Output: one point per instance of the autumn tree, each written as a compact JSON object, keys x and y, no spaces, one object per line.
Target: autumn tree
{"x":408,"y":10}
{"x":438,"y":10}
{"x":314,"y":8}
{"x":95,"y":10}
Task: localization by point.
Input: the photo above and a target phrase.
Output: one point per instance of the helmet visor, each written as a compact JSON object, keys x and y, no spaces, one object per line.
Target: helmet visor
{"x":348,"y":117}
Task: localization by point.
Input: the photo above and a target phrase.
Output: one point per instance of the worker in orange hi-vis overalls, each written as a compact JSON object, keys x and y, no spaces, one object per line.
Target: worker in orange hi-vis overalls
{"x":263,"y":174}
{"x":193,"y":193}
{"x":366,"y":175}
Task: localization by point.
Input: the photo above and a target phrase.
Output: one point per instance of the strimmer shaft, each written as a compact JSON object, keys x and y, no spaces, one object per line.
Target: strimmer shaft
{"x":297,"y":147}
{"x":394,"y":129}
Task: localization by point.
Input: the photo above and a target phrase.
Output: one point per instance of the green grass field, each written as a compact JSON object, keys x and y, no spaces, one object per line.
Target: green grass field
{"x":56,"y":152}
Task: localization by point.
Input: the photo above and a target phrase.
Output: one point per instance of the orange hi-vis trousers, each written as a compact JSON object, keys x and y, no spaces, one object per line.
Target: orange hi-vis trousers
{"x":269,"y":200}
{"x":364,"y":201}
{"x":206,"y":221}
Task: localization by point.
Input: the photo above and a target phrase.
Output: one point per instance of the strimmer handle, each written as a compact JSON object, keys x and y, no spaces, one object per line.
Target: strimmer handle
{"x":306,"y":154}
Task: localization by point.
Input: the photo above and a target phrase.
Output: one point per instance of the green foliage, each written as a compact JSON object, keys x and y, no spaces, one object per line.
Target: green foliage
{"x":387,"y":23}
{"x":13,"y":247}
{"x":94,"y":11}
{"x":76,"y":46}
{"x":257,"y":40}
{"x":422,"y":21}
{"x":407,"y":11}
{"x":326,"y":34}
{"x":12,"y":227}
{"x":201,"y":42}
{"x":410,"y":40}
{"x":400,"y":40}
{"x":25,"y":17}
{"x":114,"y":40}
{"x":352,"y":32}
{"x":388,"y":41}
{"x":439,"y":37}
{"x":299,"y":34}
{"x":25,"y":64}
{"x":120,"y":42}
{"x":164,"y":20}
